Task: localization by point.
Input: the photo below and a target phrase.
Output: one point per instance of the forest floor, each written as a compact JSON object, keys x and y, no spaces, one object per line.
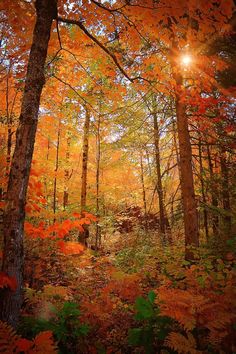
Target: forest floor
{"x":134,"y":296}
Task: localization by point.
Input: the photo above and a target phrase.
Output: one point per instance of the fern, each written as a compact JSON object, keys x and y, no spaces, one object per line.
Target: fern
{"x":182,"y":344}
{"x":10,"y":342}
{"x":8,"y":338}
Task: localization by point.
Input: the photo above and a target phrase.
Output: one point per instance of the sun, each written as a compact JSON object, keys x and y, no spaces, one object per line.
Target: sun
{"x":186,"y":59}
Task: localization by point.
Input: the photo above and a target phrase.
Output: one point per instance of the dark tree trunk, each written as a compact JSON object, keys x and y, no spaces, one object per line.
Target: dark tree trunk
{"x":225,"y":193}
{"x":186,"y":173}
{"x":204,"y":199}
{"x":214,"y":193}
{"x":21,"y":162}
{"x":9,"y":127}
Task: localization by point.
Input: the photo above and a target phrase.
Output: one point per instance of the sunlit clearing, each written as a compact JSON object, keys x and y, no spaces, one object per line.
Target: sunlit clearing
{"x":186,"y":59}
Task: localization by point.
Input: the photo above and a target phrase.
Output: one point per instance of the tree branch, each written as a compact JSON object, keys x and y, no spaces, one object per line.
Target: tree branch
{"x":105,"y":49}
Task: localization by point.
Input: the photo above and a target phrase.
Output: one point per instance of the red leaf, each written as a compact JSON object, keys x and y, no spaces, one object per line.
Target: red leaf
{"x":23,"y":345}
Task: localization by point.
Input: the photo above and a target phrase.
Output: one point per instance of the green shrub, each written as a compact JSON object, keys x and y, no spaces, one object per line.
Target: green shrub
{"x":153,"y":328}
{"x":65,"y":325}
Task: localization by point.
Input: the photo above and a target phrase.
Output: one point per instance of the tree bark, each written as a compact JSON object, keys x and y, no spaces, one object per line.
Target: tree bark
{"x":14,"y":214}
{"x":186,"y":172}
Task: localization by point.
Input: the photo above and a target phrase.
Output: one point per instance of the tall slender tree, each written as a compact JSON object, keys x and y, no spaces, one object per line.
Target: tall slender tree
{"x":46,"y":11}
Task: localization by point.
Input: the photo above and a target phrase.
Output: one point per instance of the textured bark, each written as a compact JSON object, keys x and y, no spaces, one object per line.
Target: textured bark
{"x":186,"y":173}
{"x":21,"y":162}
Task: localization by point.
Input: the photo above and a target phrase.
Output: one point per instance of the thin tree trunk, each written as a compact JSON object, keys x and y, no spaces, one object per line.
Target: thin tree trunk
{"x":54,"y":203}
{"x":158,"y":170}
{"x":45,"y":178}
{"x":9,"y":127}
{"x":205,"y":214}
{"x":144,"y":192}
{"x":186,"y":173}
{"x":225,"y":193}
{"x":98,"y":159}
{"x":85,"y":149}
{"x":14,"y":215}
{"x":214,"y":199}
{"x":148,"y":161}
{"x":66,"y":173}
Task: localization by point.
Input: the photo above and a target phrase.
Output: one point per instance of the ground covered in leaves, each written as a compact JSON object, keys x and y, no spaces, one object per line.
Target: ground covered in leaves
{"x":136,"y":295}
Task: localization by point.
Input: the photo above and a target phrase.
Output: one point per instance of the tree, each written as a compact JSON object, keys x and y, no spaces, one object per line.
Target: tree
{"x":46,"y":11}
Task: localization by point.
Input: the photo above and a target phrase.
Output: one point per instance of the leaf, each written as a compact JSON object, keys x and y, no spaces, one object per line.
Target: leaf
{"x":43,"y":343}
{"x":144,"y":308}
{"x":182,"y":344}
{"x":151,"y":297}
{"x":135,"y":336}
{"x":70,"y":247}
{"x":23,"y":345}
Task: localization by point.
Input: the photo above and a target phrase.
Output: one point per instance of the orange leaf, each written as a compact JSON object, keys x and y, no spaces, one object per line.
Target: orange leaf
{"x":70,"y":247}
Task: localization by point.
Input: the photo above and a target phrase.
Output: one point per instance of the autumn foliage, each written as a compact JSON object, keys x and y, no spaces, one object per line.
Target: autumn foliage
{"x":117,"y":176}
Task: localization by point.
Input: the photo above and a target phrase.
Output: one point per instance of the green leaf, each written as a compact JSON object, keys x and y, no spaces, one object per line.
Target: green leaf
{"x":135,"y":336}
{"x":151,"y":296}
{"x":144,"y":308}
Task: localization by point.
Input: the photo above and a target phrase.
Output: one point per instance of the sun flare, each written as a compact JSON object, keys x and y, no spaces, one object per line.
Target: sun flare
{"x":186,"y":59}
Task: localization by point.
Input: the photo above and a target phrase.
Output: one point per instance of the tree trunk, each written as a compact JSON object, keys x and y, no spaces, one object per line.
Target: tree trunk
{"x":225,"y":193}
{"x":205,"y":214}
{"x":98,"y":159}
{"x":186,"y":173}
{"x":66,"y":173}
{"x":144,"y":192}
{"x":21,"y":162}
{"x":9,"y":127}
{"x":214,"y":199}
{"x":84,"y":235}
{"x":158,"y":170}
{"x":54,"y":202}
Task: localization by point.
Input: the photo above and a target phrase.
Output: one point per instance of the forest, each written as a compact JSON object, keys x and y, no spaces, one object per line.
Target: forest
{"x":117,"y":176}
